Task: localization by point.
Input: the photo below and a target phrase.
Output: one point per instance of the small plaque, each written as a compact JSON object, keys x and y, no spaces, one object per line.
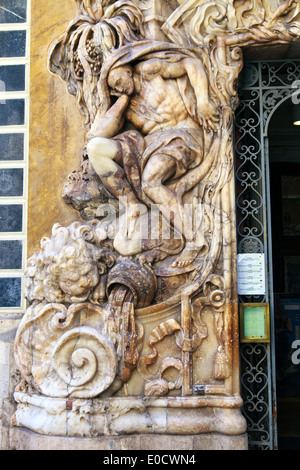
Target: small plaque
{"x":251,"y":274}
{"x":254,"y":323}
{"x":199,"y":389}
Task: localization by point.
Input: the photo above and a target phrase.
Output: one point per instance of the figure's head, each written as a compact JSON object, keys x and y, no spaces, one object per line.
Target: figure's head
{"x":79,"y":280}
{"x":68,"y":266}
{"x":121,"y":81}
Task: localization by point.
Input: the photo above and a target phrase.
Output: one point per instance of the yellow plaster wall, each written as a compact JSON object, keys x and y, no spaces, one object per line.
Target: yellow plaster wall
{"x":56,"y":133}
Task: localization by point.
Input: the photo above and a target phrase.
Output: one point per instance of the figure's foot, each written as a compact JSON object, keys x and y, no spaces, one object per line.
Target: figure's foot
{"x":151,"y":256}
{"x":187,"y":257}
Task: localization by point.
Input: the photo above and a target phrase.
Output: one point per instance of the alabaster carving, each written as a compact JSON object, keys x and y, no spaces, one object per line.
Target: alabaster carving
{"x":139,"y":298}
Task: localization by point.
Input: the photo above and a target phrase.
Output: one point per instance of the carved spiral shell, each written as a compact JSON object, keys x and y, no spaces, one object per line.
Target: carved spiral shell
{"x":85,"y":361}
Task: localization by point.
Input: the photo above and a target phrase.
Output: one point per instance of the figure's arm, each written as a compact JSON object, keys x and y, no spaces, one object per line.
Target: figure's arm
{"x":111,"y":123}
{"x":197,"y":75}
{"x":259,"y":34}
{"x":199,"y":82}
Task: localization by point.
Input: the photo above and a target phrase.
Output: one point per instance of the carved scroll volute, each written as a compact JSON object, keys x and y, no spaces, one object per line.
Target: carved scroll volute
{"x":64,"y":352}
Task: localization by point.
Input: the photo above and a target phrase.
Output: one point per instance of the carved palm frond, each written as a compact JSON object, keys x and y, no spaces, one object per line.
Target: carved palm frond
{"x":77,"y":55}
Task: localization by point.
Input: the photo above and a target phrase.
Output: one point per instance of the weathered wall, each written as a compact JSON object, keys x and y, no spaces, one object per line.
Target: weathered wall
{"x":56,"y":133}
{"x":54,"y":149}
{"x":9,"y":377}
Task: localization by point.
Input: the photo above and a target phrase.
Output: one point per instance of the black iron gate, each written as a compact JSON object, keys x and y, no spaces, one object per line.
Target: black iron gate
{"x":264,"y":87}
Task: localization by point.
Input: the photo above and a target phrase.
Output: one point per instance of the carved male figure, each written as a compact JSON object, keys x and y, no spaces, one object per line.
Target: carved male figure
{"x":168,"y":103}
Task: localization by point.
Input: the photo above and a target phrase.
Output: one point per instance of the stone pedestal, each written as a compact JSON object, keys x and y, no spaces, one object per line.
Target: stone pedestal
{"x":129,"y":415}
{"x":23,"y":439}
{"x":130,"y":423}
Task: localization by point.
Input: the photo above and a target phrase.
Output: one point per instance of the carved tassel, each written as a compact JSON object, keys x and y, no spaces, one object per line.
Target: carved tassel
{"x":221,"y":365}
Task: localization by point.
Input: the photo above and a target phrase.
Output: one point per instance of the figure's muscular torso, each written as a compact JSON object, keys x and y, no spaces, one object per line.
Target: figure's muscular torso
{"x":157,"y":104}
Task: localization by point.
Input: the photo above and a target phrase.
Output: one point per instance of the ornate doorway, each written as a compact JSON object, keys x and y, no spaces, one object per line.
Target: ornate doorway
{"x":266,"y":87}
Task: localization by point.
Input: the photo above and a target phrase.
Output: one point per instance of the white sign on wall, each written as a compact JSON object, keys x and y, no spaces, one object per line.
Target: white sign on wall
{"x":251,"y":274}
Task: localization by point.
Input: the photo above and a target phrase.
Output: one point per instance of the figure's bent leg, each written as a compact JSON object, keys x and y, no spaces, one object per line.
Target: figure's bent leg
{"x":102,"y":154}
{"x":158,"y":170}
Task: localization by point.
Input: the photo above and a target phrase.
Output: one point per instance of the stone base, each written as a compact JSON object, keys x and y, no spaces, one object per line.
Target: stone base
{"x":118,"y":416}
{"x":23,"y":439}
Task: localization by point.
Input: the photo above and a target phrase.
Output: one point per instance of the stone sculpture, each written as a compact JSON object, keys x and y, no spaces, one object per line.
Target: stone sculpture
{"x":138,"y":301}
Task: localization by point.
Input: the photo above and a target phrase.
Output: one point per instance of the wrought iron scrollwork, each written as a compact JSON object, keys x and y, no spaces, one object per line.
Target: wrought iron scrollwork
{"x":255,"y":384}
{"x":264,"y":86}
